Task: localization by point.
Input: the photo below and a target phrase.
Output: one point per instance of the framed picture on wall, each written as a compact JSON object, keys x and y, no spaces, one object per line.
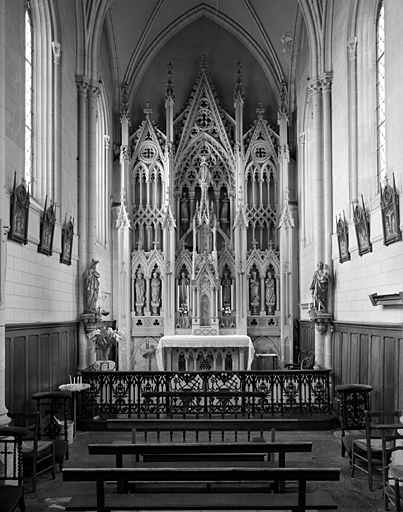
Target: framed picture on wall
{"x":342,"y":238}
{"x":361,"y":223}
{"x":67,"y":241}
{"x":47,"y":231}
{"x":390,"y":213}
{"x":19,"y":212}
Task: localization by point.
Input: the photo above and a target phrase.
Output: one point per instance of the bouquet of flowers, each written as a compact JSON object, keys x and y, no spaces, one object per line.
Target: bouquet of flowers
{"x":105,"y":338}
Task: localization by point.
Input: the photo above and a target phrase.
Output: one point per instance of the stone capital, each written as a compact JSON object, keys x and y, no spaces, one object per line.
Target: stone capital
{"x":94,"y":89}
{"x":352,"y":48}
{"x":301,"y":138}
{"x":57,"y":52}
{"x":82,"y":83}
{"x":124,"y":154}
{"x":315,"y":86}
{"x":326,"y":80}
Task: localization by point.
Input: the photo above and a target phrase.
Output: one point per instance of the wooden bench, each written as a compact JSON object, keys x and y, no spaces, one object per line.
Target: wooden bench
{"x":299,"y":501}
{"x":157,"y":451}
{"x":202,"y":425}
{"x":205,"y":399}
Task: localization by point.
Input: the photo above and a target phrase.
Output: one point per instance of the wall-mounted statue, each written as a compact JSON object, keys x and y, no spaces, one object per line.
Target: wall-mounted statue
{"x":270,"y":284}
{"x":140,"y":288}
{"x":319,"y":286}
{"x":155,"y":293}
{"x":91,"y":283}
{"x":254,"y":292}
{"x":226,"y":283}
{"x":224,"y":208}
{"x":183,"y":290}
{"x":185,"y":208}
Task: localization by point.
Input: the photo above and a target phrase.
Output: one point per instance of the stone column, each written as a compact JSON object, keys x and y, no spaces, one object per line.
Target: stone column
{"x":327,"y":171}
{"x":92,"y":197}
{"x":315,"y":87}
{"x":4,"y":419}
{"x":84,"y":347}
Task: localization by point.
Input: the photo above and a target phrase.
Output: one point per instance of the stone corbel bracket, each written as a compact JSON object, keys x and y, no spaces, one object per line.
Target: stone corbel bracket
{"x":387,"y":299}
{"x":321,"y":320}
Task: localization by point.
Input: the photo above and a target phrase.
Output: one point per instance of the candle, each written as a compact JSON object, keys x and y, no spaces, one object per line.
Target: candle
{"x":70,"y":378}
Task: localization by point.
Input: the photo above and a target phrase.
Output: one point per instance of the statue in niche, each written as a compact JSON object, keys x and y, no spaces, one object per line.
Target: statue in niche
{"x":226,"y":283}
{"x":91,"y":282}
{"x":319,"y":286}
{"x":224,"y":208}
{"x":183,"y":290}
{"x":155,"y":293}
{"x":140,"y":288}
{"x":185,"y":208}
{"x":270,"y":283}
{"x":254,"y":292}
{"x":204,"y":172}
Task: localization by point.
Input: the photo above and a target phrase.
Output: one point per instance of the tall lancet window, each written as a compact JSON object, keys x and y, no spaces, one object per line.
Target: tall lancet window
{"x":28,"y":96}
{"x":380,"y":91}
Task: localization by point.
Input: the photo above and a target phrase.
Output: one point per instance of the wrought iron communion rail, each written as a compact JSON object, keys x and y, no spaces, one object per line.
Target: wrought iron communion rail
{"x":142,"y":394}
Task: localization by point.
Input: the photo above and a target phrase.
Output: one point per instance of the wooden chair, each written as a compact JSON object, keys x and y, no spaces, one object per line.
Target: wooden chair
{"x":366,"y":453}
{"x":306,"y":361}
{"x":392,"y":463}
{"x":354,"y":400}
{"x":38,"y":454}
{"x":11,"y":469}
{"x":54,"y":405}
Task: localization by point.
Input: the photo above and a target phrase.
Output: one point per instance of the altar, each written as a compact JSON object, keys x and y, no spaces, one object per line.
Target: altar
{"x":198,"y":353}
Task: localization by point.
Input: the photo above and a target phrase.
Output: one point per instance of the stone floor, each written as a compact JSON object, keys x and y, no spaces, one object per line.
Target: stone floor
{"x":351,"y":494}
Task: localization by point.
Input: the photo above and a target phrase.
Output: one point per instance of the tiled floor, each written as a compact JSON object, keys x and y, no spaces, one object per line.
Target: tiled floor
{"x":351,"y":494}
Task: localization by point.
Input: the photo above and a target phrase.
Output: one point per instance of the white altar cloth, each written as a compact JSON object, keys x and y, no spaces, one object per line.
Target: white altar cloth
{"x":190,"y":341}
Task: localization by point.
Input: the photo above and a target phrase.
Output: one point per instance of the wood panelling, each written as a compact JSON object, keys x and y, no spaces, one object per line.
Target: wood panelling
{"x":366,"y":354}
{"x":39,"y":357}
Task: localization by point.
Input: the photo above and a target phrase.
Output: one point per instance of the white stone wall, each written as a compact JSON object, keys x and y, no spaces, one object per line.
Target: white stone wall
{"x":39,"y":288}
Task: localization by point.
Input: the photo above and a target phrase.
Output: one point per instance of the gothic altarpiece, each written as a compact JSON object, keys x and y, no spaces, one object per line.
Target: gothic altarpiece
{"x":203,"y":217}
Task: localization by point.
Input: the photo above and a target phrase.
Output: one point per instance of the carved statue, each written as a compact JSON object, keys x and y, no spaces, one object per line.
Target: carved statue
{"x":270,"y":292}
{"x":254,"y":288}
{"x":224,"y":207}
{"x":226,"y":283}
{"x":185,"y":208}
{"x":183,"y":284}
{"x":204,"y":172}
{"x":320,"y":282}
{"x":91,"y":283}
{"x":140,"y":288}
{"x":155,"y":289}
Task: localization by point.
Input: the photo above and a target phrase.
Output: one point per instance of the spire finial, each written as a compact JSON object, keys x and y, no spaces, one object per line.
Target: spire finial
{"x":148,"y":111}
{"x":260,"y":110}
{"x":203,"y":63}
{"x":239,"y":85}
{"x":170,"y":85}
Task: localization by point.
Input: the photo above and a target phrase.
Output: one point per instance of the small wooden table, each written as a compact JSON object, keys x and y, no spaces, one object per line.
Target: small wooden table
{"x":74,"y":388}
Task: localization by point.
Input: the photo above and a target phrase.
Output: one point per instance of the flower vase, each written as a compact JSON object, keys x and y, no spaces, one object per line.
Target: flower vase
{"x":104,"y":364}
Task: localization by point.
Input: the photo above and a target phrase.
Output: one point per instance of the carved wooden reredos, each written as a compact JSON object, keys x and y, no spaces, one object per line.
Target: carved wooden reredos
{"x":204,"y":209}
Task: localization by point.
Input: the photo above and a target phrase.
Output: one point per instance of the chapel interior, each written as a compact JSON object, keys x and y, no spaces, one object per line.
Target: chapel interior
{"x":217,"y":180}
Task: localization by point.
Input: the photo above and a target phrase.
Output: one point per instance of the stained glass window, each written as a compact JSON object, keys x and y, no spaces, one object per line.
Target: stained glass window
{"x":28,"y":97}
{"x":380,"y":91}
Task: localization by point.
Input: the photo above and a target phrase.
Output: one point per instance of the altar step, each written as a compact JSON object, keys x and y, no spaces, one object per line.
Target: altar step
{"x":301,"y":423}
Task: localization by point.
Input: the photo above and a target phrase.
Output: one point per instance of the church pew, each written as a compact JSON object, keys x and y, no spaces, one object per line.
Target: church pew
{"x":198,"y":454}
{"x":195,"y":426}
{"x":171,"y":499}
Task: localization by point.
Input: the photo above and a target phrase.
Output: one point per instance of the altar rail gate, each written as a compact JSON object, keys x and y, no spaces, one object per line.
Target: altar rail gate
{"x":286,"y":393}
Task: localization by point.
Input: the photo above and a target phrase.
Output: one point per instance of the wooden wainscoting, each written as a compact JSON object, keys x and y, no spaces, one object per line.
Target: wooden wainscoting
{"x":39,"y":357}
{"x":366,"y":354}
